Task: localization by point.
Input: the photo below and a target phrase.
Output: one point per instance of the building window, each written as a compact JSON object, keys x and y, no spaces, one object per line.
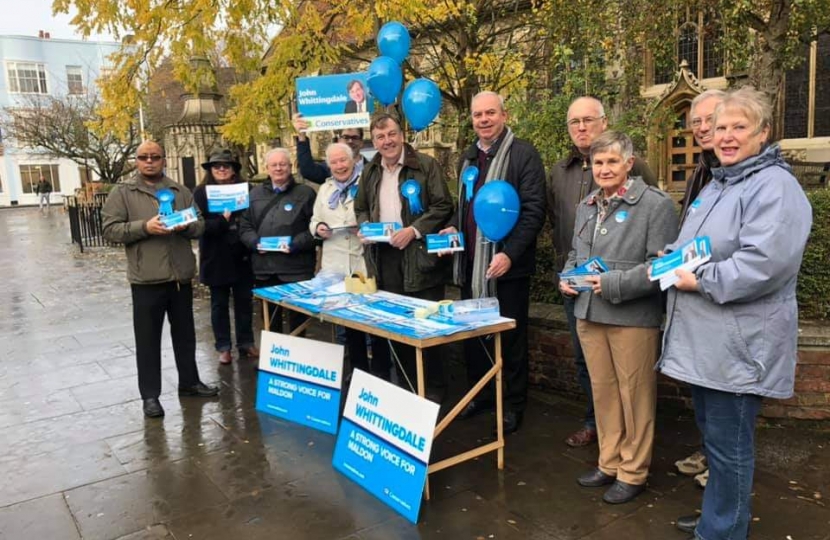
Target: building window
{"x":74,"y":80}
{"x":807,"y":93}
{"x":30,"y":176}
{"x":26,"y":78}
{"x":697,"y":44}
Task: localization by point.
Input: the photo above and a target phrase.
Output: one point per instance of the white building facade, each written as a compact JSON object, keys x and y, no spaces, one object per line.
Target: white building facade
{"x":43,"y":66}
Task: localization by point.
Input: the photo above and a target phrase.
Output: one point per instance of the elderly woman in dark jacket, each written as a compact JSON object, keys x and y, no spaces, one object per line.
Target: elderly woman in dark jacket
{"x":732,"y":324}
{"x":225,"y":263}
{"x":625,"y":222}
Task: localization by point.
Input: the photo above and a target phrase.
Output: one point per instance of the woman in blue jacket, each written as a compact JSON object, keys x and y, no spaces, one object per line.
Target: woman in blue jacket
{"x":732,"y":323}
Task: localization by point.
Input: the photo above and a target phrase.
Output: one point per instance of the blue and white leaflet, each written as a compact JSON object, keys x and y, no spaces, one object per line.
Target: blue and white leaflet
{"x":437,"y":243}
{"x":575,"y":278}
{"x":379,"y":232}
{"x":182,"y":217}
{"x":275,"y":243}
{"x":300,"y":380}
{"x":231,"y":197}
{"x":688,"y":256}
{"x":385,"y":442}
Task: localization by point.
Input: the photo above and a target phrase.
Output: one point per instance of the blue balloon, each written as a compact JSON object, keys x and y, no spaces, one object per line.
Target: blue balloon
{"x":385,"y":79}
{"x":496,"y":209}
{"x":421,"y":103}
{"x":393,"y":41}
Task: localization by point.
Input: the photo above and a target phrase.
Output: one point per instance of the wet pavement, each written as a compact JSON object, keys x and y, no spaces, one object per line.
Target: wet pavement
{"x":79,"y":460}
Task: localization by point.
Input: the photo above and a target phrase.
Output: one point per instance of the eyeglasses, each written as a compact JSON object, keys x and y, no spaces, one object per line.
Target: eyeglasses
{"x":220,"y":166}
{"x":280,"y":165}
{"x":351,"y":137}
{"x":697,"y":122}
{"x":150,"y":157}
{"x":588,"y":121}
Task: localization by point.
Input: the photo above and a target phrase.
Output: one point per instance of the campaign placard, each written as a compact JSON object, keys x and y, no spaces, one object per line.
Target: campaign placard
{"x":300,"y":380}
{"x":437,"y":243}
{"x":385,"y":440}
{"x":230,"y":197}
{"x":334,"y":102}
{"x":182,"y":217}
{"x":379,"y":232}
{"x":275,"y":243}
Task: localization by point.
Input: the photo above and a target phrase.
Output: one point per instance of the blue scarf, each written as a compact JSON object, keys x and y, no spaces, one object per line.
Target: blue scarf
{"x":341,"y":192}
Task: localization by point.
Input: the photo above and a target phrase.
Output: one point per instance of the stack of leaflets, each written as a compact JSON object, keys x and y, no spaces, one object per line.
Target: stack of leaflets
{"x":275,"y":243}
{"x":575,"y":278}
{"x":177,"y":219}
{"x":379,"y":232}
{"x":687,"y":257}
{"x":436,"y":243}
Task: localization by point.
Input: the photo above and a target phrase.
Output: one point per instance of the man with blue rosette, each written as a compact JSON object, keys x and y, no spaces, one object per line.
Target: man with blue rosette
{"x":407,"y":187}
{"x":499,"y":269}
{"x":160,"y":267}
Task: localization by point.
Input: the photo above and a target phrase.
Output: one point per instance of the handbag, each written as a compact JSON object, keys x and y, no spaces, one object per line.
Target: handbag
{"x":357,"y":283}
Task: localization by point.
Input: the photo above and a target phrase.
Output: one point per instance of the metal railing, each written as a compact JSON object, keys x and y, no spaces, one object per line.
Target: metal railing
{"x":85,"y":221}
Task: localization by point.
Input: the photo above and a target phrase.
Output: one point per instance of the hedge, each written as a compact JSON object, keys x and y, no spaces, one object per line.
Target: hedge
{"x":814,"y":279}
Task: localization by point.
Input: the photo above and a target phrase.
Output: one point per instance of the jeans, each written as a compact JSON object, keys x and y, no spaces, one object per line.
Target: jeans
{"x":44,"y":198}
{"x":582,"y":374}
{"x":728,"y":426}
{"x":242,"y":314}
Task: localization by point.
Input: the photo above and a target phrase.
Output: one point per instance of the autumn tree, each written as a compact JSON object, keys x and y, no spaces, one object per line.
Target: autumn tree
{"x":68,"y":127}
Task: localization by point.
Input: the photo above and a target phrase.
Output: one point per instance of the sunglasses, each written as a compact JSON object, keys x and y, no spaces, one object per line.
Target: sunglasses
{"x":221,"y":166}
{"x":150,"y":157}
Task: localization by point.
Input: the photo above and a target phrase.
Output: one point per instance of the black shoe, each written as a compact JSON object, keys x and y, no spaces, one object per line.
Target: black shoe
{"x":436,"y":395}
{"x":622,"y":492}
{"x":687,"y":524}
{"x":152,"y":408}
{"x":595,"y":478}
{"x":199,"y":390}
{"x":476,"y":407}
{"x":511,"y":422}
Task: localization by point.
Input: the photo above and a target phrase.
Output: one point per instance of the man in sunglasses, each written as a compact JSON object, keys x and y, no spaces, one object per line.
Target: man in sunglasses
{"x":318,"y":172}
{"x":160,"y":268}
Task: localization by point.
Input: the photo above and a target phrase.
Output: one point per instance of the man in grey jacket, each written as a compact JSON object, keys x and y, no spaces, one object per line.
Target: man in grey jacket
{"x":570,"y":181}
{"x":160,"y":267}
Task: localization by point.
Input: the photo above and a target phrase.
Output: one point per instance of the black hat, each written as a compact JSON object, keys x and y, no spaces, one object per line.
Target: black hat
{"x":222,"y":156}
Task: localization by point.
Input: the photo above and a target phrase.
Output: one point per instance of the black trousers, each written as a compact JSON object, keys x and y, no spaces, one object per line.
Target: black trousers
{"x":295,"y":319}
{"x":391,"y":270}
{"x":514,"y":303}
{"x":150,"y":304}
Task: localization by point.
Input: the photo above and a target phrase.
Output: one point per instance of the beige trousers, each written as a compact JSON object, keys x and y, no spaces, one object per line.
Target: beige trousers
{"x":621,"y":363}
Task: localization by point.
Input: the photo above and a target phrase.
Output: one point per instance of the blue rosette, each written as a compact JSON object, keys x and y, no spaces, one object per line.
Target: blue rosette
{"x":412,"y":191}
{"x":469,"y":177}
{"x":165,"y":198}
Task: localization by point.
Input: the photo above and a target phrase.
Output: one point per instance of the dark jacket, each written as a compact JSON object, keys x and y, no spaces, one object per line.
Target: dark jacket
{"x":309,"y":169}
{"x":289,"y":217}
{"x":701,"y":176}
{"x":43,"y":187}
{"x":636,"y":227}
{"x":421,"y":269}
{"x":526,"y":174}
{"x":150,"y":259}
{"x":223,"y":258}
{"x":569,"y":182}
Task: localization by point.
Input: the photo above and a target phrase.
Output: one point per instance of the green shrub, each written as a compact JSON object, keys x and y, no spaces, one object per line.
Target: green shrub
{"x":814,"y":279}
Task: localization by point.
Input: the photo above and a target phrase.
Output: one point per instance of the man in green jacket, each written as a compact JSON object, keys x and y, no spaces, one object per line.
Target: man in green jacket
{"x":160,"y":268}
{"x":409,"y":188}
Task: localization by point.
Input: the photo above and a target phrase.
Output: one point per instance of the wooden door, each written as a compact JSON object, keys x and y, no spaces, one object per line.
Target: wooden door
{"x":682,"y":151}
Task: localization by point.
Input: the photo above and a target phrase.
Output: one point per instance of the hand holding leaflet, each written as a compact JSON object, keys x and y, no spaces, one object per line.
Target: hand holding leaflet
{"x":689,"y":256}
{"x":576,"y":278}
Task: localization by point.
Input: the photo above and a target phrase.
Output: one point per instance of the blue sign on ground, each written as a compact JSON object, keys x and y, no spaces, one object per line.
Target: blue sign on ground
{"x":385,"y":441}
{"x":299,"y":380}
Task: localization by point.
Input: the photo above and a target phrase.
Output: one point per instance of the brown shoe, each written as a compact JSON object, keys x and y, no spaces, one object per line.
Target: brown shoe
{"x":225,"y":357}
{"x":583,"y":437}
{"x":250,"y":352}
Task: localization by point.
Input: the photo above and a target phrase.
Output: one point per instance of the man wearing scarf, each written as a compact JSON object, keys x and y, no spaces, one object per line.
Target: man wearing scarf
{"x":160,"y":269}
{"x":406,"y":187}
{"x":501,"y":269}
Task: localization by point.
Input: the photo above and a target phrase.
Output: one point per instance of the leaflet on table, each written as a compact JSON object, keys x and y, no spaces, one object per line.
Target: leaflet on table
{"x":230,"y":197}
{"x":323,"y":284}
{"x":379,"y":232}
{"x":576,"y":278}
{"x":182,"y":217}
{"x":399,"y":324}
{"x":688,"y":256}
{"x":326,"y":302}
{"x":275,"y":243}
{"x":437,"y":243}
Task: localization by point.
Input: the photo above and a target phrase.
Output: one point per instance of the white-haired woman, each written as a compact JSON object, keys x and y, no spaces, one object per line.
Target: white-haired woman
{"x":334,"y":222}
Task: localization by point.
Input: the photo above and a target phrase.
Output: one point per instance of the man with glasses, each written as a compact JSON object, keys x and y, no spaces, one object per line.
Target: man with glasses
{"x":407,"y":187}
{"x":160,"y":268}
{"x":318,"y":172}
{"x":570,"y":181}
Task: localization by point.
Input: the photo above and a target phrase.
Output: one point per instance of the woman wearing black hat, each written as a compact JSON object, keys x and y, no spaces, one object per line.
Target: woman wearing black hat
{"x":224,"y":262}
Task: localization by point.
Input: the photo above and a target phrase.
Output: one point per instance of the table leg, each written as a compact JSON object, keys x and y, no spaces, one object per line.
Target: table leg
{"x":499,"y":405}
{"x":422,"y":391}
{"x":266,"y":315}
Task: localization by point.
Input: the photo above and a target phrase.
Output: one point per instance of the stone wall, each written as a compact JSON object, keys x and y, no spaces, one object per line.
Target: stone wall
{"x":552,"y":368}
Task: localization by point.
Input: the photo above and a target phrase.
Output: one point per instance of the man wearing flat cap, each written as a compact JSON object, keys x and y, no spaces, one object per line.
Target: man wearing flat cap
{"x":225,"y":263}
